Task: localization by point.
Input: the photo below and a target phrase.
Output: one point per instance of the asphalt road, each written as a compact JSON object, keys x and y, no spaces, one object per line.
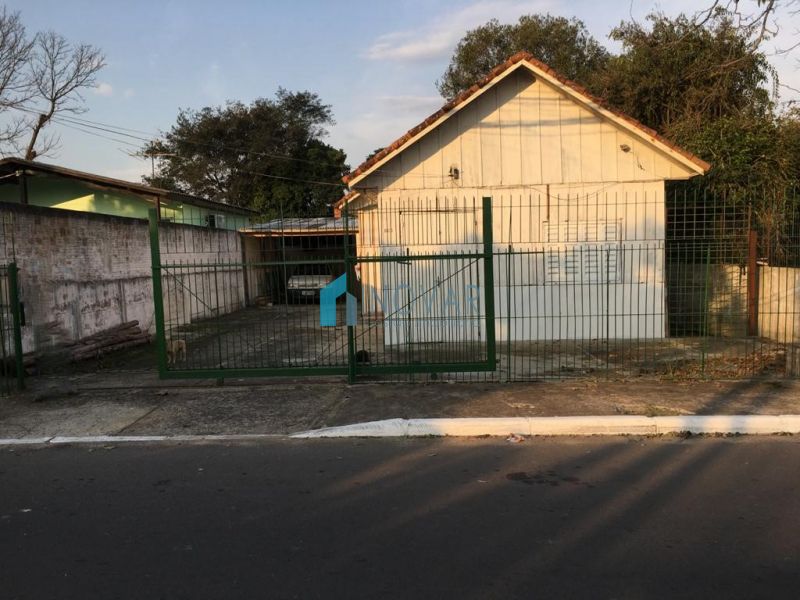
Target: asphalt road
{"x":572,"y":518}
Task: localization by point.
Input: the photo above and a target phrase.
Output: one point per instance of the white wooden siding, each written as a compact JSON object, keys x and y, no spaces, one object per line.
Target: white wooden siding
{"x":524,"y":132}
{"x":563,"y":261}
{"x":578,"y":220}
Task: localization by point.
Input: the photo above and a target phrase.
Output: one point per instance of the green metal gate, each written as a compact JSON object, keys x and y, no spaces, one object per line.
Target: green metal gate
{"x":12,"y":372}
{"x":254,"y":301}
{"x":427,"y":305}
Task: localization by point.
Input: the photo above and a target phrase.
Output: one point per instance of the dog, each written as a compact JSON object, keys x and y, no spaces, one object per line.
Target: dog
{"x":176,"y":351}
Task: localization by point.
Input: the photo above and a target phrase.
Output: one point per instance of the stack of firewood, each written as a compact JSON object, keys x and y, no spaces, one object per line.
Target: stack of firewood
{"x":125,"y":335}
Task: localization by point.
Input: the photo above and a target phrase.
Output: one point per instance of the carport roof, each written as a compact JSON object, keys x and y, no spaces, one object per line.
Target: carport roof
{"x":304,"y":226}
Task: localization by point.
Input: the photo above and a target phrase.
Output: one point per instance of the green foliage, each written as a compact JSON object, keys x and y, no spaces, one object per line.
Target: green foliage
{"x":564,"y":44}
{"x":705,"y":88}
{"x":789,"y":133}
{"x":677,"y":71}
{"x":268,"y":155}
{"x":747,"y":151}
{"x":703,"y":83}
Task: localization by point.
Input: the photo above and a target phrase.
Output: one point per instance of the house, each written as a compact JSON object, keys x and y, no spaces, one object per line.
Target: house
{"x":38,"y":184}
{"x":578,"y":213}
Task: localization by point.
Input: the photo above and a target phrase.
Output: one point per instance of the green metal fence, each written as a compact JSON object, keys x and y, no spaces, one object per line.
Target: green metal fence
{"x":253,"y":303}
{"x":12,"y":372}
{"x":597,"y":284}
{"x":517,"y":287}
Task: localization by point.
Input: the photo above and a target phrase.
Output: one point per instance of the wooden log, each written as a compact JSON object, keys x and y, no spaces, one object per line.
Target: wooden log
{"x":144,"y":339}
{"x":105,"y":332}
{"x":80,"y":351}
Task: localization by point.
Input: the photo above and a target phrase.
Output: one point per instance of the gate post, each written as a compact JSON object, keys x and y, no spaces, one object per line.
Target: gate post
{"x":488,"y":276}
{"x":158,"y":296}
{"x":349,"y":264}
{"x":13,"y":289}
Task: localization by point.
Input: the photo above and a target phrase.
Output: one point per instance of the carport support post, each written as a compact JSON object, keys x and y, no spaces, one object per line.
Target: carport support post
{"x":488,"y":278}
{"x":158,"y":297}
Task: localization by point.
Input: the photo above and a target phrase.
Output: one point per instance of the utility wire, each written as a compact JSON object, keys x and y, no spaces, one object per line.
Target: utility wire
{"x":100,"y":135}
{"x":69,"y":124}
{"x":119,"y":130}
{"x":125,"y":131}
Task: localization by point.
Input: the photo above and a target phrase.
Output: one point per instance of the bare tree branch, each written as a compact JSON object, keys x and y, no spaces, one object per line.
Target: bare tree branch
{"x":59,"y":71}
{"x":760,"y":25}
{"x":15,"y":50}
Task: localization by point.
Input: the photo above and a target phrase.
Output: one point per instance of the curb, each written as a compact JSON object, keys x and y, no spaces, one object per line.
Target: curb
{"x":135,"y":439}
{"x":552,"y":426}
{"x":472,"y":427}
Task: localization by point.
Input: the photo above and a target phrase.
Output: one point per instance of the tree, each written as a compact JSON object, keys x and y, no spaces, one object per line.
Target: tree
{"x":563,"y":44}
{"x":707,"y":88}
{"x":58,"y":73}
{"x":15,"y":50}
{"x":268,"y":155}
{"x":702,"y":81}
{"x":675,"y":70}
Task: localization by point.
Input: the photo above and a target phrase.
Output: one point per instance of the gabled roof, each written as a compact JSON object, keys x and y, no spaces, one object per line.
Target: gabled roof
{"x":11,"y":165}
{"x":525,"y":59}
{"x":345,"y":199}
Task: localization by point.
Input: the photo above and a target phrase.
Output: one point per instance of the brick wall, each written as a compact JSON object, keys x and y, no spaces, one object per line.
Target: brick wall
{"x":82,"y":272}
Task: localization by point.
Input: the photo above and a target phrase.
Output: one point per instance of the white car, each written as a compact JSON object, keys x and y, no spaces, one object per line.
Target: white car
{"x":306,"y":286}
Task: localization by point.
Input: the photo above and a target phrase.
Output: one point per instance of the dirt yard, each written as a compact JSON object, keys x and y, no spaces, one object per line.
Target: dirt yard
{"x":290,"y":337}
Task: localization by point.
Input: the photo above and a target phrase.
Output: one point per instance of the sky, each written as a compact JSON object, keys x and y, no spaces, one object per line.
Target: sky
{"x":375,"y":62}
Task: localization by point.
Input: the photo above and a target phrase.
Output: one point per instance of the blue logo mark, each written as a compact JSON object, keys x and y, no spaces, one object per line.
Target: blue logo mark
{"x":327,"y":303}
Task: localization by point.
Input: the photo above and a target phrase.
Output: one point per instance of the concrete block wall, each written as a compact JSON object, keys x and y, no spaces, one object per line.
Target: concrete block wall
{"x":81,"y":273}
{"x":779,"y":304}
{"x":201,"y":276}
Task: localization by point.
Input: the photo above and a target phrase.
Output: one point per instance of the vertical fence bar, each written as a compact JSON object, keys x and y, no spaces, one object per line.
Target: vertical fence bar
{"x":158,"y":298}
{"x":5,"y":387}
{"x":349,"y":266}
{"x":508,"y":313}
{"x":217,"y":319}
{"x":13,"y":290}
{"x":488,"y":276}
{"x":752,"y":284}
{"x":704,"y":329}
{"x":608,"y":312}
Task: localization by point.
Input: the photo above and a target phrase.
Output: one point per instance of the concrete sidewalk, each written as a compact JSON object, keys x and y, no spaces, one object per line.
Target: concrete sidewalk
{"x":138,"y":404}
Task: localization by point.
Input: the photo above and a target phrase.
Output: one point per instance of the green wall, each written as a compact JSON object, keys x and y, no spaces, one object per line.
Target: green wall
{"x":67,"y":194}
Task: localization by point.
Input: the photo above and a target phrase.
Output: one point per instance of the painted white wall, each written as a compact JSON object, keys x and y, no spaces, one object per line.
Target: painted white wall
{"x":588,"y":253}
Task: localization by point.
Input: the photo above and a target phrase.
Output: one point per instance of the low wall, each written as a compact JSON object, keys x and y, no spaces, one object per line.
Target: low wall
{"x":723,"y":288}
{"x":779,"y":304}
{"x":81,"y":273}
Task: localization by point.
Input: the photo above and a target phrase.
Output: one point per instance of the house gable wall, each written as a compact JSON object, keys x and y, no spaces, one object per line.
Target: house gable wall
{"x":524,"y":131}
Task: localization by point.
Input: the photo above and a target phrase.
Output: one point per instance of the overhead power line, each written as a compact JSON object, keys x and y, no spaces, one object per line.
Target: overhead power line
{"x":124,"y":131}
{"x":129,"y":132}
